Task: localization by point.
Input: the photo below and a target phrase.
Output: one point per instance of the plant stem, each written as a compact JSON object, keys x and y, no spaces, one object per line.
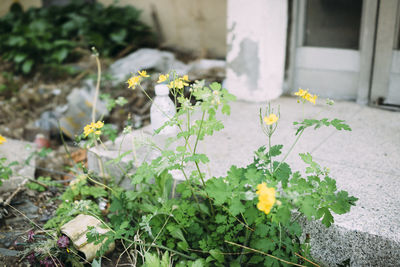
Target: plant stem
{"x":290,"y":150}
{"x":142,"y":244}
{"x":263,"y":253}
{"x":269,"y":153}
{"x":197,"y":138}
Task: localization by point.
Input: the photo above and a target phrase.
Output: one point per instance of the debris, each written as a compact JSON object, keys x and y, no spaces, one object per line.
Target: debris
{"x":147,"y":58}
{"x":41,"y":141}
{"x":212,"y":69}
{"x":8,"y":252}
{"x":78,"y":114}
{"x":76,"y":231}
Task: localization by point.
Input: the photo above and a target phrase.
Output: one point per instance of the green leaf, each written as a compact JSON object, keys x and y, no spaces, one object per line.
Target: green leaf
{"x":197,"y":158}
{"x":60,"y":54}
{"x":340,"y":125}
{"x":236,"y":206}
{"x":217,"y":254}
{"x":151,"y":260}
{"x":327,"y":220}
{"x":198,"y":263}
{"x":226,"y":109}
{"x":283,"y":214}
{"x":124,"y":225}
{"x":261,"y":230}
{"x":254,"y":175}
{"x":119,"y":36}
{"x":27,"y":66}
{"x":215,"y":86}
{"x":307,"y":207}
{"x":176,"y":232}
{"x":283,"y":173}
{"x":264,"y":244}
{"x":96,"y":262}
{"x":256,"y":259}
{"x":19,"y":58}
{"x":219,"y":190}
{"x":275,"y":150}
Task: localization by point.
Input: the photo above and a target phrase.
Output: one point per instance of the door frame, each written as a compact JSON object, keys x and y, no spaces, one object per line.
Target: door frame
{"x":387,"y":34}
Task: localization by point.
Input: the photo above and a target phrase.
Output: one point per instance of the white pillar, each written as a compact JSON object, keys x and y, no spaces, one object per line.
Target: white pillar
{"x":256,"y":40}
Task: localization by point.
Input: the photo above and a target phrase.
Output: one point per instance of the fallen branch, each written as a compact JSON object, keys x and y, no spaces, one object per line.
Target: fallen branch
{"x":20,"y":187}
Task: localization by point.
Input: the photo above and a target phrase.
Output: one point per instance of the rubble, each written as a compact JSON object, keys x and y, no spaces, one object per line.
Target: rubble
{"x":76,"y":231}
{"x":78,"y":114}
{"x":147,"y":58}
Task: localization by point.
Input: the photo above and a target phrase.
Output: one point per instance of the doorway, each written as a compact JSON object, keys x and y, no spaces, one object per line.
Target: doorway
{"x":346,"y":49}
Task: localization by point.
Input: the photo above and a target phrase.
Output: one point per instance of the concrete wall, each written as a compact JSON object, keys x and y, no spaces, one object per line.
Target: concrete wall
{"x":193,"y":25}
{"x":5,"y":5}
{"x":197,"y":26}
{"x":256,"y":53}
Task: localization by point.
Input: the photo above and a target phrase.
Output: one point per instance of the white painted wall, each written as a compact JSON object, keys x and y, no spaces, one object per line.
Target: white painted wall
{"x":256,"y":42}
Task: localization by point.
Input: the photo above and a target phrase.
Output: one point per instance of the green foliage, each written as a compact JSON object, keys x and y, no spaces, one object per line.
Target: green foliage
{"x":80,"y":197}
{"x":53,"y":35}
{"x":210,"y":221}
{"x":5,"y":169}
{"x":42,"y":182}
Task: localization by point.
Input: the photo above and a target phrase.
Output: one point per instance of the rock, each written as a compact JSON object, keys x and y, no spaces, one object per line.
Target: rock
{"x":8,"y":252}
{"x":79,"y":111}
{"x":207,"y":69}
{"x":147,"y":58}
{"x":76,"y":230}
{"x":15,"y":150}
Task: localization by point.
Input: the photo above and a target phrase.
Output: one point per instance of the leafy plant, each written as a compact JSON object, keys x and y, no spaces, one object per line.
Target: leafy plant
{"x":5,"y":169}
{"x":249,"y":217}
{"x":54,"y":35}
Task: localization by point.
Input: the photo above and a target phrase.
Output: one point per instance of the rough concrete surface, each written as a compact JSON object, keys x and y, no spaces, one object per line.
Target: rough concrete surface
{"x":15,"y":150}
{"x":364,"y":162}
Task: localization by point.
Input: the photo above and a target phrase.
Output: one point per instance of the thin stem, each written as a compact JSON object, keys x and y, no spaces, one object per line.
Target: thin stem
{"x":197,"y":139}
{"x":263,"y":253}
{"x":98,"y":183}
{"x":141,"y":244}
{"x":291,"y":148}
{"x":269,"y":152}
{"x":96,"y":94}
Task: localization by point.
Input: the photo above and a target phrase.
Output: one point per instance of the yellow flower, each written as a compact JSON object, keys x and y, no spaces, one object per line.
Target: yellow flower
{"x":162,"y":78}
{"x":93,"y":127}
{"x":301,"y":92}
{"x":185,"y":78}
{"x":306,"y":95}
{"x":2,"y":139}
{"x":99,"y":124}
{"x":266,"y":198}
{"x":311,"y":98}
{"x":271,"y":119}
{"x":143,"y":73}
{"x":88,"y":129}
{"x":133,"y":81}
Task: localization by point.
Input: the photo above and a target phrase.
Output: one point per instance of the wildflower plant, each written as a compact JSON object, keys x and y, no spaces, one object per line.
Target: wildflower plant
{"x":248,"y":217}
